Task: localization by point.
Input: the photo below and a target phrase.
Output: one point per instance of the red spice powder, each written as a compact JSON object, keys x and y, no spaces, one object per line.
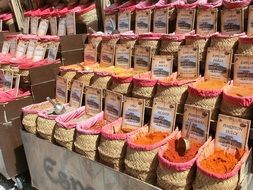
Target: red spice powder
{"x":151,"y":138}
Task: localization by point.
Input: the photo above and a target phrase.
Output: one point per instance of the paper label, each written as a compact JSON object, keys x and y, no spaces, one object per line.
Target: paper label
{"x":76,"y":94}
{"x":71,"y":23}
{"x":61,"y":90}
{"x":8,"y":79}
{"x":113,"y":105}
{"x":163,"y":116}
{"x":21,"y":49}
{"x":16,"y":87}
{"x":250,"y":21}
{"x":107,"y":55}
{"x":30,"y":49}
{"x":34,"y":25}
{"x":52,"y":51}
{"x":13,"y":47}
{"x":26,"y":25}
{"x":218,"y":64}
{"x":142,"y":57}
{"x":243,"y":70}
{"x":109,"y":23}
{"x":161,"y":21}
{"x":93,"y":100}
{"x":62,"y":28}
{"x":232,"y":21}
{"x":133,"y":113}
{"x":231,"y":133}
{"x":124,"y":22}
{"x":142,"y":21}
{"x":90,"y":54}
{"x":39,"y":52}
{"x":43,"y":27}
{"x":185,"y":20}
{"x":161,"y":66}
{"x":6,"y":47}
{"x":198,"y":119}
{"x":188,"y":62}
{"x":123,"y":57}
{"x":53,"y":25}
{"x":206,"y":21}
{"x":1,"y":25}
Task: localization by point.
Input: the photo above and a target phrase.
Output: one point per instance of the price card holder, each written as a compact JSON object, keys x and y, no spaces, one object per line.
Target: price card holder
{"x":107,"y":55}
{"x":161,"y":66}
{"x":123,"y":57}
{"x":188,"y":62}
{"x":53,"y":25}
{"x":34,"y":25}
{"x":124,"y":21}
{"x":232,"y":21}
{"x":26,"y":25}
{"x":21,"y":49}
{"x":231,"y":133}
{"x":90,"y":54}
{"x":218,"y":63}
{"x":71,"y":23}
{"x":133,"y":113}
{"x":52,"y":51}
{"x":198,"y":119}
{"x":8,"y":79}
{"x":13,"y":47}
{"x":142,"y":58}
{"x":43,"y":27}
{"x":161,"y":21}
{"x":113,"y":105}
{"x":39,"y":52}
{"x":185,"y":20}
{"x":109,"y":23}
{"x":142,"y":21}
{"x":6,"y":47}
{"x":30,"y":49}
{"x":207,"y":21}
{"x":61,"y":90}
{"x":62,"y":27}
{"x":243,"y":70}
{"x":163,"y":116}
{"x":76,"y":94}
{"x":93,"y":100}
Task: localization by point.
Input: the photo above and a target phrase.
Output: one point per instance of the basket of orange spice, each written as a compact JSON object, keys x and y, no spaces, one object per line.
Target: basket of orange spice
{"x":142,"y":148}
{"x":222,"y":162}
{"x":177,"y":167}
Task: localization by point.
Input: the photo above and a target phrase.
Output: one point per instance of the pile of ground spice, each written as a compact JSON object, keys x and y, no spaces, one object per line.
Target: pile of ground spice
{"x":123,"y":130}
{"x":172,"y":155}
{"x":99,"y":124}
{"x":150,"y":138}
{"x":241,"y":91}
{"x":211,"y":85}
{"x":221,"y":162}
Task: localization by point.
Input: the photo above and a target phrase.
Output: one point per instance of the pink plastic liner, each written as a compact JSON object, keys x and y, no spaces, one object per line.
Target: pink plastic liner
{"x":198,"y":37}
{"x":29,"y":110}
{"x":208,"y":5}
{"x":222,"y":36}
{"x":144,"y":80}
{"x":112,"y":9}
{"x":144,"y":5}
{"x":86,"y":8}
{"x":127,"y":6}
{"x":7,"y":17}
{"x":122,"y":79}
{"x":128,"y":35}
{"x":184,"y":5}
{"x":245,"y":40}
{"x":166,"y":4}
{"x":236,"y":4}
{"x":150,"y":36}
{"x":173,"y":37}
{"x":9,"y":95}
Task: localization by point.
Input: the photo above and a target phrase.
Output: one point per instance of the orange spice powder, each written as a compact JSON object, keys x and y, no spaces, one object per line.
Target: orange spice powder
{"x":221,"y":162}
{"x":172,"y":155}
{"x":151,"y":138}
{"x":99,"y":124}
{"x":211,"y":85}
{"x":241,"y":91}
{"x":123,"y":131}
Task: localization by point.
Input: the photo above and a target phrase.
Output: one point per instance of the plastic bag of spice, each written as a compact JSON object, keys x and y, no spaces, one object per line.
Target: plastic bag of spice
{"x":144,"y":87}
{"x":142,"y":148}
{"x":175,"y":171}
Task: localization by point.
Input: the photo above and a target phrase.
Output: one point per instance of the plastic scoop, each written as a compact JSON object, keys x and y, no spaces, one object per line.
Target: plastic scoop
{"x":184,"y":144}
{"x":58,"y":108}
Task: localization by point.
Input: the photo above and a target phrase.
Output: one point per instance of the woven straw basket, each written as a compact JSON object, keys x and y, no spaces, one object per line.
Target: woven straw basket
{"x":85,"y":78}
{"x":128,"y":42}
{"x":112,"y":40}
{"x":89,"y":19}
{"x":153,"y":44}
{"x":144,"y":92}
{"x":29,"y":122}
{"x":45,"y":128}
{"x":101,"y":82}
{"x":68,"y":75}
{"x":224,"y":43}
{"x":245,"y":45}
{"x":170,"y":47}
{"x":122,"y":88}
{"x":64,"y":136}
{"x":95,"y":40}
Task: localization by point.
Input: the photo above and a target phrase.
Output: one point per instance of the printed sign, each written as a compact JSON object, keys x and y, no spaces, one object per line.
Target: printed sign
{"x":107,"y":55}
{"x":43,"y":27}
{"x":71,"y":23}
{"x":26,"y":25}
{"x":198,"y":119}
{"x":7,"y":79}
{"x":113,"y":105}
{"x":231,"y":133}
{"x":124,"y":22}
{"x":161,"y":66}
{"x":207,"y":21}
{"x":62,"y":28}
{"x":161,"y":21}
{"x":52,"y":51}
{"x":250,"y":21}
{"x":21,"y":49}
{"x":93,"y":100}
{"x":6,"y":47}
{"x":53,"y":25}
{"x":30,"y":49}
{"x":39,"y":52}
{"x":133,"y":113}
{"x":188,"y":62}
{"x":218,"y":64}
{"x":243,"y":70}
{"x":90,"y":54}
{"x":232,"y":21}
{"x":109,"y":23}
{"x":123,"y":57}
{"x":76,"y":94}
{"x":61,"y":89}
{"x":142,"y":21}
{"x":34,"y":25}
{"x":13,"y":47}
{"x":142,"y":57}
{"x":163,"y":116}
{"x":185,"y":20}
